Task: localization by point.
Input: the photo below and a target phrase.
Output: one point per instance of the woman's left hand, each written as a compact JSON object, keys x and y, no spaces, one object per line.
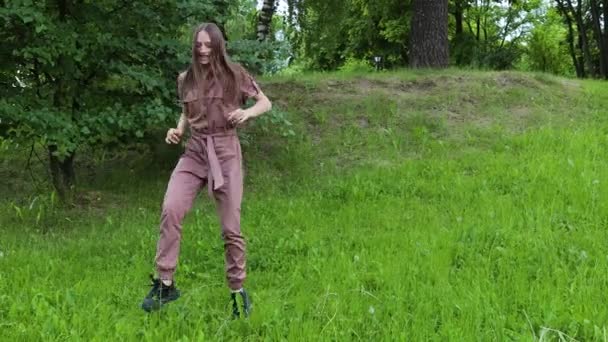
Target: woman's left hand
{"x":238,"y":117}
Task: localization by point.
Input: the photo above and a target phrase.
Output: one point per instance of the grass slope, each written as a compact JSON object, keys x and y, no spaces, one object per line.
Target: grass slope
{"x":449,"y":205}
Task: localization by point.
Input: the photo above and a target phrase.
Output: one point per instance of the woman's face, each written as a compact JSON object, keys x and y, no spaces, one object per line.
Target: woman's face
{"x":203,"y":47}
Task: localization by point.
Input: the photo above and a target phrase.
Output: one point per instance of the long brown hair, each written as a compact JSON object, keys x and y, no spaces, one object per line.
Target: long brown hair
{"x":229,"y":74}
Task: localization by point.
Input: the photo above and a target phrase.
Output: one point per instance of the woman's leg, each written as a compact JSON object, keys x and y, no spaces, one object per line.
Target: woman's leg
{"x":181,"y":192}
{"x":228,"y":200}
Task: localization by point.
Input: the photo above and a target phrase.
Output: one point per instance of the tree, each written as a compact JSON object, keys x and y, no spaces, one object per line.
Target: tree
{"x":605,"y":12}
{"x":429,"y":34}
{"x":264,"y":19}
{"x":222,"y":13}
{"x":600,"y":37}
{"x":582,"y":33}
{"x":91,"y":73}
{"x":489,"y":33}
{"x":330,"y":31}
{"x":326,"y":33}
{"x":584,"y":21}
{"x":545,"y":49}
{"x":578,"y":65}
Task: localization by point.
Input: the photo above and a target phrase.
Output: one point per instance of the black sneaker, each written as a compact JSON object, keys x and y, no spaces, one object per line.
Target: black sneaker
{"x":159,"y":295}
{"x":246,"y":304}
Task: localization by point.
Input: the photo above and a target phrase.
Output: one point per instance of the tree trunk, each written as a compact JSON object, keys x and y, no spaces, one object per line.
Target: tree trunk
{"x":458,"y":40}
{"x":429,"y":34}
{"x":599,"y":37}
{"x":470,"y":27}
{"x":580,"y":73}
{"x":486,"y":8}
{"x":62,"y":170}
{"x":582,"y":33}
{"x":265,"y":19}
{"x":478,"y":21}
{"x":62,"y":174}
{"x":458,"y":17}
{"x":605,"y":7}
{"x":506,"y":29}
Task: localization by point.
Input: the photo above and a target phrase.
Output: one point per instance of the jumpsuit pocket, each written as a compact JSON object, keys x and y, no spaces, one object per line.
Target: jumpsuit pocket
{"x":224,"y":148}
{"x":192,"y":104}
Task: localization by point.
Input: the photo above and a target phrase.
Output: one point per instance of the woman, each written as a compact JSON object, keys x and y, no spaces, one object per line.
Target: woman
{"x":212,"y":91}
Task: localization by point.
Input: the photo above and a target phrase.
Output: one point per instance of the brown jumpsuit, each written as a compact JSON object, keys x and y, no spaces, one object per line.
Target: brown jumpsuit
{"x":212,"y":157}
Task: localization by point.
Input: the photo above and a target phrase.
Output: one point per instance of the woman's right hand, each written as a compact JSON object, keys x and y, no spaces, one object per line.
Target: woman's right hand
{"x":174,"y":135}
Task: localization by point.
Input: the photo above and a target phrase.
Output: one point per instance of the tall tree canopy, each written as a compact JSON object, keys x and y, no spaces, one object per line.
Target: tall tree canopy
{"x":91,"y":72}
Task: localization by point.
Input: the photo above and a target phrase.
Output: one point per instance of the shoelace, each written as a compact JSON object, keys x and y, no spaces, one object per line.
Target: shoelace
{"x":157,"y":287}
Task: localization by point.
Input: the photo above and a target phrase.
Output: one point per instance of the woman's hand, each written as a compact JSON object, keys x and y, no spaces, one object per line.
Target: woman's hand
{"x":174,"y":135}
{"x":261,"y":106}
{"x":238,"y":116}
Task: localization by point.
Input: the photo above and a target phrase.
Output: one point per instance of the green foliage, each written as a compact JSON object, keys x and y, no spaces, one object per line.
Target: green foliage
{"x":494,"y":32}
{"x":415,"y":206}
{"x":40,"y":211}
{"x":378,"y":28}
{"x":278,"y":121}
{"x":297,"y":68}
{"x":275,"y":123}
{"x":332,"y":31}
{"x":462,"y":49}
{"x":93,"y":73}
{"x":267,"y":57}
{"x":546,"y":46}
{"x":241,"y":24}
{"x":356,"y":65}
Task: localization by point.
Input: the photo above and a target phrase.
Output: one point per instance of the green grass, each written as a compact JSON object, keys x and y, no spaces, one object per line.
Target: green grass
{"x":409,"y":206}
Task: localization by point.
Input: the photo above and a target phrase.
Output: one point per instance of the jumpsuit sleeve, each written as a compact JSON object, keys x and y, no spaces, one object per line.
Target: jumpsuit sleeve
{"x":249,"y":87}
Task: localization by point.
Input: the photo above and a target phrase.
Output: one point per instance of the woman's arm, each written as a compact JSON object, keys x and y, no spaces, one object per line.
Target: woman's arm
{"x":261,"y":106}
{"x":182,"y":124}
{"x":174,"y":135}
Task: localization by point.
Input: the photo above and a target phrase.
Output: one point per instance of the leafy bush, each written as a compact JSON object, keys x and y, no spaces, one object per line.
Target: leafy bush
{"x":356,"y":65}
{"x":267,"y":57}
{"x":546,"y":49}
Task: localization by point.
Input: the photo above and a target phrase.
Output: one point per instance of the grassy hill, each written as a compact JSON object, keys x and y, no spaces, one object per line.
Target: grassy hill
{"x":428,"y":205}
